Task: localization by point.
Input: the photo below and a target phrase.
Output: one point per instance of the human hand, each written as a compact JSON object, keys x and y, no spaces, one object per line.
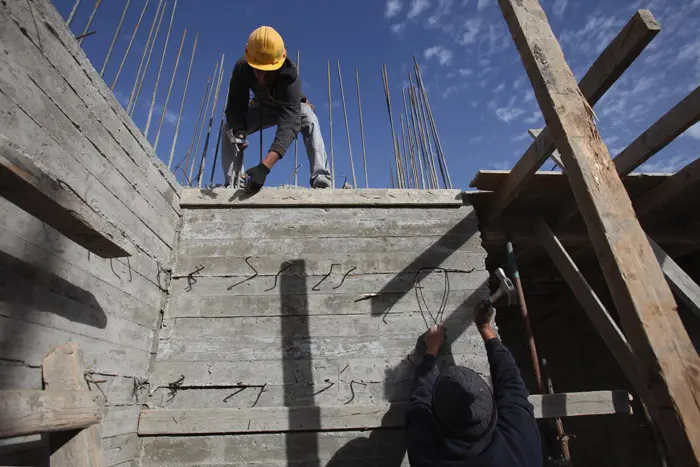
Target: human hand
{"x":237,"y":139}
{"x":434,"y":338}
{"x":255,"y":177}
{"x":483,"y":314}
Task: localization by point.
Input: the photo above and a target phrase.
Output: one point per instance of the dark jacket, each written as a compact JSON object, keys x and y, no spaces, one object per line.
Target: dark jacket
{"x":516,"y":439}
{"x":284,"y":96}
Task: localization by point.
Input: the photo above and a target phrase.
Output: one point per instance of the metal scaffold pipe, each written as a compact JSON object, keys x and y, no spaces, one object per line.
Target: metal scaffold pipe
{"x":347,"y":127}
{"x":170,"y":88}
{"x":114,"y":38}
{"x":131,"y":42}
{"x":182,"y":102}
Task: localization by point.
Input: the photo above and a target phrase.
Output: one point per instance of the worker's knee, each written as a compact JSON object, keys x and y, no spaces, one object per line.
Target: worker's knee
{"x":309,"y":120}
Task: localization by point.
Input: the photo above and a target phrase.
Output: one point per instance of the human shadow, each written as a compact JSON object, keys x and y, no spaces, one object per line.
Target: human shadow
{"x":24,"y":287}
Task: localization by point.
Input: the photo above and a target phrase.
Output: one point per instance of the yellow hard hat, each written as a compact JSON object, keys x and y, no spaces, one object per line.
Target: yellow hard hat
{"x":265,"y":49}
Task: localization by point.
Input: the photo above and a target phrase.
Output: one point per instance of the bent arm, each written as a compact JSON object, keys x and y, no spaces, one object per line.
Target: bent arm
{"x":238,"y":94}
{"x":289,"y":120}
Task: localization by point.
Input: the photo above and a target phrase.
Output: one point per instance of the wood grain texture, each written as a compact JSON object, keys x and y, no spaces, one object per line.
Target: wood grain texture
{"x":669,"y":190}
{"x":27,"y":411}
{"x":27,"y":185}
{"x":609,"y":66}
{"x":682,"y":285}
{"x":302,"y":197}
{"x":643,"y":299}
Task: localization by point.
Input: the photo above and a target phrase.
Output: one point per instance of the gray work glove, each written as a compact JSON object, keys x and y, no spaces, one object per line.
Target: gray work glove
{"x":237,"y":138}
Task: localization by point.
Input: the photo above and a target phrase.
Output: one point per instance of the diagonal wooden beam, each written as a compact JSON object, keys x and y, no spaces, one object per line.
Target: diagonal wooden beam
{"x":662,"y":349}
{"x":611,"y":64}
{"x":683,"y":286}
{"x":556,"y":157}
{"x":669,"y":189}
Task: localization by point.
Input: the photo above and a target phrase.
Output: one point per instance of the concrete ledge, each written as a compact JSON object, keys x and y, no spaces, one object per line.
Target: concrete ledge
{"x":306,"y":197}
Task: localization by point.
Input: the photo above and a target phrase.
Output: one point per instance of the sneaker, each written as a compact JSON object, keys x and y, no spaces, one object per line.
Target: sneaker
{"x":321,"y":182}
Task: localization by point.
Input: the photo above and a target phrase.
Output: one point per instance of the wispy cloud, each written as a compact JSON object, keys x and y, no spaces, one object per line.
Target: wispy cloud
{"x":501,"y":165}
{"x":670,"y":165}
{"x":534,"y":118}
{"x":521,"y":137}
{"x":465,"y":72}
{"x":418,"y":7}
{"x":443,"y":55}
{"x":529,"y":96}
{"x":443,"y":9}
{"x":472,"y":27}
{"x":500,"y":88}
{"x":483,"y":4}
{"x":397,"y":28}
{"x":393,"y":7}
{"x":560,"y":7}
{"x":507,"y":114}
{"x":694,"y":131}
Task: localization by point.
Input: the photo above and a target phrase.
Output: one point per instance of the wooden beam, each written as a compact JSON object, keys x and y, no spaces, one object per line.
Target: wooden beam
{"x":668,"y":190}
{"x":611,"y":64}
{"x":660,"y":134}
{"x":26,"y":184}
{"x":63,"y":370}
{"x":30,"y":411}
{"x":351,"y":417}
{"x":682,"y":285}
{"x":556,"y":157}
{"x":663,"y":351}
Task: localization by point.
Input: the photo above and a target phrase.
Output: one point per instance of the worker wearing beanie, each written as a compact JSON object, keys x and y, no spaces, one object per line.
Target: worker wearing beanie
{"x":266,"y":70}
{"x":454,"y":419}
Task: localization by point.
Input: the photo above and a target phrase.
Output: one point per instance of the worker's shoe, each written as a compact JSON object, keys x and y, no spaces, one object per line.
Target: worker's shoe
{"x":320,"y":182}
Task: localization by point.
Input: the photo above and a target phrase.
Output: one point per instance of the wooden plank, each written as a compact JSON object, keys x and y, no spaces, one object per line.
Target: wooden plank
{"x":674,"y":123}
{"x":556,"y":157}
{"x":669,"y":190}
{"x":641,"y":295}
{"x":51,"y":200}
{"x":682,"y":285}
{"x":611,"y":64}
{"x":42,"y":24}
{"x":63,"y":371}
{"x":27,"y":412}
{"x":303,"y":197}
{"x":202,"y":421}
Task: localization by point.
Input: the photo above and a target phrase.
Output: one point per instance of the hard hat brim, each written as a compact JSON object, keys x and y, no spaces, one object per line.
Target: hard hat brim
{"x":267,"y":66}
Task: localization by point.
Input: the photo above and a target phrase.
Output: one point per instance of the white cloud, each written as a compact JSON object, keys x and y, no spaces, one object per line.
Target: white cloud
{"x":594,"y":36}
{"x":508,"y":114}
{"x":170,"y":117}
{"x":694,"y":131}
{"x":465,"y":72}
{"x":443,"y":9}
{"x":443,"y":55}
{"x":560,"y":7}
{"x":418,"y":7}
{"x":502,"y":165}
{"x":499,"y":88}
{"x":534,"y":118}
{"x":670,"y":165}
{"x":483,"y":4}
{"x":518,"y":83}
{"x":398,"y":27}
{"x":472,"y":27}
{"x":393,"y":7}
{"x":521,"y":137}
{"x":529,"y":96}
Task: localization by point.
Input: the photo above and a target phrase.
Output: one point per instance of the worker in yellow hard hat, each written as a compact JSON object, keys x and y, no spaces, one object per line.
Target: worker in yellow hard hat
{"x":272,"y":76}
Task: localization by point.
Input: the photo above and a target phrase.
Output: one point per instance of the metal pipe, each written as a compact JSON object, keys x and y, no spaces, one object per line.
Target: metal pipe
{"x":218,"y":139}
{"x":188,"y":156}
{"x":89,"y":23}
{"x":114,"y":38}
{"x":214,"y":79}
{"x":160,"y":70}
{"x":424,"y":126}
{"x":420,"y":176}
{"x":296,"y":140}
{"x":385,"y":77}
{"x":182,"y":102}
{"x":128,"y":47}
{"x":202,"y":165}
{"x":562,"y":437}
{"x":72,"y":12}
{"x":407,"y":142}
{"x":137,"y":91}
{"x":347,"y":127}
{"x":170,"y":88}
{"x":425,"y":166}
{"x":330,"y":124}
{"x":362,"y":128}
{"x":407,"y":155}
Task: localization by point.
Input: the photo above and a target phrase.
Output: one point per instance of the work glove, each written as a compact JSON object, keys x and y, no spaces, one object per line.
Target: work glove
{"x":255,"y":177}
{"x":237,"y":139}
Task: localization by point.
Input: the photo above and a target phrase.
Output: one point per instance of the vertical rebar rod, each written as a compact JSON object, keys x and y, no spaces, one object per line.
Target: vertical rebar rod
{"x":73,"y":12}
{"x":424,"y":144}
{"x":202,"y":165}
{"x":404,"y":156}
{"x":419,"y":176}
{"x":296,"y":138}
{"x":182,"y":102}
{"x":408,"y":142}
{"x":160,"y":70}
{"x":114,"y":38}
{"x":146,"y":56}
{"x":214,"y":79}
{"x":190,"y":150}
{"x":441,"y":153}
{"x":387,"y":95}
{"x":347,"y":127}
{"x":424,"y":126}
{"x":218,"y":139}
{"x":128,"y":47}
{"x":425,"y":165}
{"x":170,"y":88}
{"x":362,"y":127}
{"x":408,"y":160}
{"x":89,"y":22}
{"x":391,"y":177}
{"x":330,"y":124}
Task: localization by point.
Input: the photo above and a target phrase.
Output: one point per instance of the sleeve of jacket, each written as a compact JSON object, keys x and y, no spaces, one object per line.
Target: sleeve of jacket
{"x":289,"y":120}
{"x":238,"y":97}
{"x":419,"y":415}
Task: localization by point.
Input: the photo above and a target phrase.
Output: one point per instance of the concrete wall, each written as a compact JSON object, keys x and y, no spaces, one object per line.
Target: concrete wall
{"x":55,"y":106}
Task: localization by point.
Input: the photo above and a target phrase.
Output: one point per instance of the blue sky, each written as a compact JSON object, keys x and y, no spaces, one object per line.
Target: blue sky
{"x":477,"y":86}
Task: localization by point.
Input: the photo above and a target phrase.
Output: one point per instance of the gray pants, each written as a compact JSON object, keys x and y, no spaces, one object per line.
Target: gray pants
{"x":232,"y":158}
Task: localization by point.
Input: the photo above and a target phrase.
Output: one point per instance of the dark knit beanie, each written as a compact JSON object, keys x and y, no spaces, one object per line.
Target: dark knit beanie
{"x":464,"y":406}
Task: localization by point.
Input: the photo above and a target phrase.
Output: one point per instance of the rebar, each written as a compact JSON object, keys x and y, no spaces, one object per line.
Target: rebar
{"x":114,"y":38}
{"x":182,"y":102}
{"x":424,"y":126}
{"x":407,"y":156}
{"x":296,"y":139}
{"x":362,"y":128}
{"x":170,"y":88}
{"x":420,"y":142}
{"x":330,"y":124}
{"x":218,"y":139}
{"x":385,"y":78}
{"x":128,"y":47}
{"x":89,"y":22}
{"x":419,"y":176}
{"x":188,"y":157}
{"x":214,"y":80}
{"x":72,"y":12}
{"x":347,"y":127}
{"x":202,"y":165}
{"x":391,"y":177}
{"x":160,"y":70}
{"x":146,"y":56}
